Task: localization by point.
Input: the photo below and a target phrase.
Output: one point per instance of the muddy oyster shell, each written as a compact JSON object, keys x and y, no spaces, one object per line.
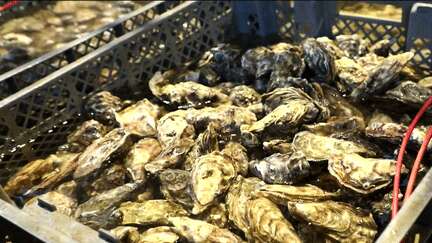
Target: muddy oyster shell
{"x":321,"y":148}
{"x":151,"y":212}
{"x":244,"y":96}
{"x":99,"y":211}
{"x":409,"y":93}
{"x":320,"y":64}
{"x":99,"y":151}
{"x":267,"y":223}
{"x":200,"y":231}
{"x":382,"y":77}
{"x":210,"y":177}
{"x":352,"y":45}
{"x":84,"y":135}
{"x":141,"y":153}
{"x":103,"y":106}
{"x":139,"y":118}
{"x":338,"y":221}
{"x":281,"y":194}
{"x":175,"y":186}
{"x":161,"y":234}
{"x":363,"y":175}
{"x":281,"y":168}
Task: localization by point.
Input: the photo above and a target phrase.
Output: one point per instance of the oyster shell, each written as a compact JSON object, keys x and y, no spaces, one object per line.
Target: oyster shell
{"x":173,"y":127}
{"x":199,"y":231}
{"x":409,"y":93}
{"x":287,"y":62}
{"x":338,"y":221}
{"x":240,"y":192}
{"x":141,"y":153}
{"x":278,"y":146}
{"x":175,"y":186}
{"x":151,"y":212}
{"x":281,"y":194}
{"x":103,"y":106}
{"x":238,"y":155}
{"x":63,"y":204}
{"x":320,"y":64}
{"x":210,"y":178}
{"x":339,"y":106}
{"x":185,"y":94}
{"x":205,"y":143}
{"x":258,"y":62}
{"x":139,"y":118}
{"x":363,"y":175}
{"x":350,"y":73}
{"x":337,"y":125}
{"x":84,"y":135}
{"x":352,"y":45}
{"x":110,"y":178}
{"x":99,"y":211}
{"x":244,"y":96}
{"x":216,"y":215}
{"x":321,"y":148}
{"x":127,"y":234}
{"x":99,"y":151}
{"x":382,"y":77}
{"x":161,"y":234}
{"x":68,"y":188}
{"x":382,"y":47}
{"x":331,"y":47}
{"x":425,"y":82}
{"x":281,"y":168}
{"x":267,"y":223}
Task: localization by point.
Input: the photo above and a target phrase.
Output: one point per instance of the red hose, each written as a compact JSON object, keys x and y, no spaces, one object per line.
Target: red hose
{"x":8,"y":5}
{"x":396,"y":182}
{"x":416,"y":166}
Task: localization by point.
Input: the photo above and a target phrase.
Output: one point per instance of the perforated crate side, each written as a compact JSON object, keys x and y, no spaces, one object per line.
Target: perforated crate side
{"x":39,"y":117}
{"x":23,"y":76}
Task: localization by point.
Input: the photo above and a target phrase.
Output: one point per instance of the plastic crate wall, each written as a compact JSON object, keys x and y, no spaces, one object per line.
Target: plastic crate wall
{"x":34,"y":121}
{"x":23,"y":76}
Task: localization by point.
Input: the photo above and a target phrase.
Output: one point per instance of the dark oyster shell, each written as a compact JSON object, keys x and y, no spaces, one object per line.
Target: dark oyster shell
{"x":382,"y":47}
{"x":103,"y":106}
{"x":320,"y":64}
{"x":352,"y":45}
{"x":175,"y":186}
{"x":409,"y":93}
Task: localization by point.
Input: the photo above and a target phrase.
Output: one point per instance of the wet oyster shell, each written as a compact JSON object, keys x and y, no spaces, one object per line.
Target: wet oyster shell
{"x":161,"y":234}
{"x":127,"y":234}
{"x":281,"y":194}
{"x":103,"y":106}
{"x":139,"y":118}
{"x":200,"y":232}
{"x":99,"y":211}
{"x":175,"y":186}
{"x":281,"y":168}
{"x":287,"y":62}
{"x":321,"y":148}
{"x":363,"y":175}
{"x":141,"y":153}
{"x":331,"y":47}
{"x":267,"y":223}
{"x":338,"y":221}
{"x":151,"y":212}
{"x":409,"y":93}
{"x":339,"y":106}
{"x":86,"y":133}
{"x":63,"y":204}
{"x":210,"y":178}
{"x":352,"y":45}
{"x":110,"y":178}
{"x":320,"y":64}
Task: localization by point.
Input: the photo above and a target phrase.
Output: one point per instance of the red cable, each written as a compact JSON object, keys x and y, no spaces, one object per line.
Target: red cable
{"x":8,"y":5}
{"x":396,"y":182}
{"x":416,"y":166}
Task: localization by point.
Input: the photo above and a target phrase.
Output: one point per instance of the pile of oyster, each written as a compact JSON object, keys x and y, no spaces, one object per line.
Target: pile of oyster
{"x":280,"y":143}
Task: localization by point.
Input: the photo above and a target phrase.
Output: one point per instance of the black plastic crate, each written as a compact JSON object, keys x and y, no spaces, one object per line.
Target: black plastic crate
{"x":37,"y":118}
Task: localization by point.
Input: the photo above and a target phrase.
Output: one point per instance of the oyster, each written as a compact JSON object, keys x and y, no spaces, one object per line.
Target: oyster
{"x":352,"y":45}
{"x":185,"y":94}
{"x":99,"y":151}
{"x":161,"y":234}
{"x":127,"y":234}
{"x":363,"y":175}
{"x":409,"y":93}
{"x":175,"y":186}
{"x":151,"y":212}
{"x":350,"y":73}
{"x":281,"y":168}
{"x":267,"y":223}
{"x":425,"y":82}
{"x":244,"y":96}
{"x":216,"y":215}
{"x":141,"y":153}
{"x":199,"y":231}
{"x":238,"y":155}
{"x":382,"y":77}
{"x":206,"y":142}
{"x":381,"y":48}
{"x":287,"y":62}
{"x":339,"y":106}
{"x":210,"y":178}
{"x":281,"y":194}
{"x":68,"y":188}
{"x":278,"y":146}
{"x":337,"y":125}
{"x":99,"y":211}
{"x":241,"y":191}
{"x":331,"y":47}
{"x":62,"y":203}
{"x":321,"y":148}
{"x":379,"y":117}
{"x":258,"y":62}
{"x":320,"y":64}
{"x":103,"y":106}
{"x":173,"y":127}
{"x":338,"y":221}
{"x":110,"y":178}
{"x":139,"y":118}
{"x":84,"y":135}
